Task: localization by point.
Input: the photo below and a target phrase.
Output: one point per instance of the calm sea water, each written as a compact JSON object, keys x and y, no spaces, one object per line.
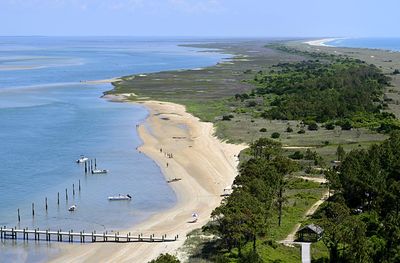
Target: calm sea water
{"x":375,"y":43}
{"x":48,"y":118}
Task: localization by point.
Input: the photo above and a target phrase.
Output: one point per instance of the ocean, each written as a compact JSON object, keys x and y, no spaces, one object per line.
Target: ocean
{"x":392,"y":44}
{"x":48,"y":118}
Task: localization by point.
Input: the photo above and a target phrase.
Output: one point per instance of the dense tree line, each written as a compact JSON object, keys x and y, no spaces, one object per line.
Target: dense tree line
{"x":362,"y":220}
{"x":322,"y":91}
{"x":333,"y":89}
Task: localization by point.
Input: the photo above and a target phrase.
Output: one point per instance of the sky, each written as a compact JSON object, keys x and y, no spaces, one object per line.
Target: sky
{"x":201,"y":18}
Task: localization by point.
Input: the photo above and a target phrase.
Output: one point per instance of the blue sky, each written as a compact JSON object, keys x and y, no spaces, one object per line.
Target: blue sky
{"x":223,"y":18}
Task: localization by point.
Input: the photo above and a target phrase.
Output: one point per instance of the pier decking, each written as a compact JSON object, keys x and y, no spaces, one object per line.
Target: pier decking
{"x":82,"y":237}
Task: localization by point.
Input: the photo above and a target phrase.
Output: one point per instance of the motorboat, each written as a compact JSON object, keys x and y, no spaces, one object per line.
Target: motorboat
{"x":82,"y":159}
{"x":120,"y":197}
{"x":72,"y":208}
{"x":99,"y":171}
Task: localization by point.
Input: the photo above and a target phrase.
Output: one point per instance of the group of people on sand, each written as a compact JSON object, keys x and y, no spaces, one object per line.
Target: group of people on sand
{"x":168,"y":155}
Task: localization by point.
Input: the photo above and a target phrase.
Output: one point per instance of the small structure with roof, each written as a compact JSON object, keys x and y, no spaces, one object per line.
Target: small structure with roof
{"x":310,"y":233}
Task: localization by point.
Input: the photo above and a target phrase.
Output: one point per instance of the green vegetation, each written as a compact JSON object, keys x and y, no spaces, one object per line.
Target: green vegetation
{"x":266,"y":203}
{"x":362,"y":219}
{"x":165,"y":258}
{"x":325,"y":104}
{"x":346,"y":92}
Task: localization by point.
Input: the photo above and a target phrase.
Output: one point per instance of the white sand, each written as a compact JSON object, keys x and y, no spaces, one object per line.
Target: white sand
{"x":320,"y":42}
{"x":101,"y":81}
{"x":206,"y":166}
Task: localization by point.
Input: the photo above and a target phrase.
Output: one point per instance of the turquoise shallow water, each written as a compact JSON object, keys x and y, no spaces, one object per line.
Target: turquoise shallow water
{"x":375,"y":43}
{"x":48,"y":118}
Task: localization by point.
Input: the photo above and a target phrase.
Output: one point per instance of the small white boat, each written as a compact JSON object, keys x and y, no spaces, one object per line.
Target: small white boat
{"x":120,"y":197}
{"x":82,"y":159}
{"x":72,"y":208}
{"x":99,"y":171}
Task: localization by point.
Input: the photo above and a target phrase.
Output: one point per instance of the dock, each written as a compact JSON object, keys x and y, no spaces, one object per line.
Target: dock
{"x":82,"y":237}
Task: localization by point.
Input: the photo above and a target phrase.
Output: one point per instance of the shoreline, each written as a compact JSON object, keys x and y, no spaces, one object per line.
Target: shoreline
{"x":204,"y":163}
{"x":321,"y":42}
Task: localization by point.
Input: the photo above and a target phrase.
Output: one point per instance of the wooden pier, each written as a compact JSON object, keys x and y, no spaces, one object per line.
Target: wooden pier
{"x":82,"y":237}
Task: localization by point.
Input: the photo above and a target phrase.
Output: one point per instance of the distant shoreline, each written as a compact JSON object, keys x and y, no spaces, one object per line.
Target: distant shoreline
{"x":321,"y":42}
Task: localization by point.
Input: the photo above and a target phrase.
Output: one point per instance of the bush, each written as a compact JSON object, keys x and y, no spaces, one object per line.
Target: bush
{"x":330,"y":126}
{"x":396,"y":71}
{"x":165,"y":258}
{"x":313,"y":126}
{"x":227,"y":117}
{"x":263,"y":130}
{"x":275,"y":135}
{"x":289,"y":129}
{"x":302,"y":131}
{"x":296,"y":155}
{"x":346,"y":125}
{"x":251,"y":103}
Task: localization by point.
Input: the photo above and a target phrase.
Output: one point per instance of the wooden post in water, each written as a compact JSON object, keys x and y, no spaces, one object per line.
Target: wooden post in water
{"x":19,"y":218}
{"x":73,"y":189}
{"x":33,"y":209}
{"x":79,"y":185}
{"x":85,"y":167}
{"x":95,"y":163}
{"x":66,"y":194}
{"x":58,"y":198}
{"x":46,"y":203}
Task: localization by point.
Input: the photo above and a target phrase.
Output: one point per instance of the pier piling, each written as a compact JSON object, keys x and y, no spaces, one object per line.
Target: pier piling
{"x":33,"y":209}
{"x":46,"y":203}
{"x":79,"y":185}
{"x":73,"y":189}
{"x":66,"y":194}
{"x":58,"y":198}
{"x":19,"y":217}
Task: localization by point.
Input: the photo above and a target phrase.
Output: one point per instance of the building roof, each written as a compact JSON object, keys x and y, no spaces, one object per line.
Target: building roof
{"x":314,"y":228}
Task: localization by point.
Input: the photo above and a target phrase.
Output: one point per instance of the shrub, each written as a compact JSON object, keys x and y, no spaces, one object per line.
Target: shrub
{"x":165,"y":258}
{"x":296,"y":155}
{"x":263,"y":130}
{"x":330,"y":126}
{"x":302,"y":131}
{"x":289,"y":129}
{"x":347,"y":125}
{"x":227,"y":117}
{"x":313,"y":126}
{"x":396,"y":71}
{"x":251,"y":103}
{"x":275,"y":135}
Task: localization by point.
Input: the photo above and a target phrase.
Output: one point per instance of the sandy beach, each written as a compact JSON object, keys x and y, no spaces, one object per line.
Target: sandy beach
{"x":320,"y":42}
{"x":184,"y":148}
{"x":100,"y":81}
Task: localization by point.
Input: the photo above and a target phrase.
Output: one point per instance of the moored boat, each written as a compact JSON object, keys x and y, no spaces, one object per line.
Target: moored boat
{"x":72,"y":208}
{"x":120,"y":197}
{"x":82,"y":159}
{"x":99,"y":171}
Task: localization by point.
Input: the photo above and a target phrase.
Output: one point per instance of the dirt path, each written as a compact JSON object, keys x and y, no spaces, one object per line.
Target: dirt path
{"x":292,"y":235}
